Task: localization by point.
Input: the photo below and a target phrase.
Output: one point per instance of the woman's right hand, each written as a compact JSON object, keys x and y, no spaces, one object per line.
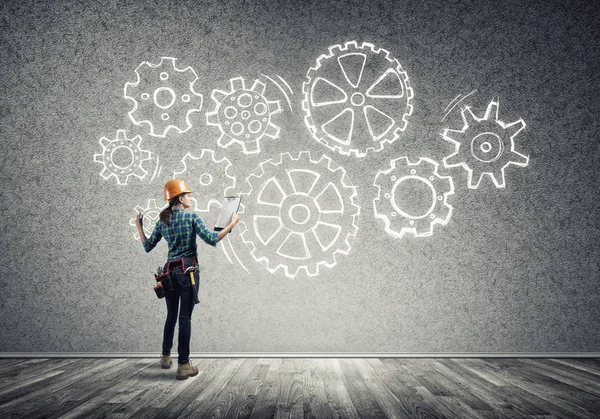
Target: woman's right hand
{"x":235,"y":218}
{"x":139,"y":220}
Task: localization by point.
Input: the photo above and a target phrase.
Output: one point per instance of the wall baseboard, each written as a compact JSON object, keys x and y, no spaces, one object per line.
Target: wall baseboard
{"x":306,"y":355}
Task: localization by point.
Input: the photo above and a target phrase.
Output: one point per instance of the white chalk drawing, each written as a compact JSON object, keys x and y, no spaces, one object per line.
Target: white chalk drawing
{"x":227,"y":243}
{"x":356,"y":99}
{"x":299,"y":214}
{"x":163,"y":97}
{"x":394,"y":186}
{"x":157,"y":169}
{"x":243,"y":115}
{"x":454,"y":103}
{"x":281,"y":89}
{"x":485,"y":146}
{"x":151,"y":214}
{"x":122,"y":158}
{"x":210,"y":178}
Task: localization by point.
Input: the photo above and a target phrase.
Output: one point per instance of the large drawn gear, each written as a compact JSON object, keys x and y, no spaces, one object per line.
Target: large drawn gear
{"x":485,"y":146}
{"x":151,"y":214}
{"x":302,"y":214}
{"x":122,"y":158}
{"x":163,"y":97}
{"x":243,"y":115}
{"x":356,"y":99}
{"x":398,"y":220}
{"x":208,"y":177}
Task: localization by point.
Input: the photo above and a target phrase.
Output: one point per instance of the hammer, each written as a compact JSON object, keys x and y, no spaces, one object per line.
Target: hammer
{"x":191,"y":270}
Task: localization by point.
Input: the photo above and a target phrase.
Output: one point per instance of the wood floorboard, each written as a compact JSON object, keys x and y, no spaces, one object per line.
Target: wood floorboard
{"x":396,"y":400}
{"x":580,"y":364}
{"x":362,"y":398}
{"x":465,"y":388}
{"x":558,"y":400}
{"x":266,"y":399}
{"x":495,"y":396}
{"x":412,"y":402}
{"x":582,"y":380}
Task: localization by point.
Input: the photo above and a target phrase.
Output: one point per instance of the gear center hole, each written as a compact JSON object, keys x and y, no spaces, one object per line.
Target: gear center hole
{"x":205,"y":179}
{"x":357,"y":99}
{"x":164,"y":97}
{"x":413,"y":197}
{"x":487,"y":147}
{"x":299,"y":213}
{"x":122,"y":157}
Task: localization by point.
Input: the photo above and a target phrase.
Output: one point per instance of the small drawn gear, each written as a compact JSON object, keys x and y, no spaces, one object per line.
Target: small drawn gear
{"x":151,"y":214}
{"x":485,"y":146}
{"x":356,"y":99}
{"x":243,"y":115}
{"x":303,"y":213}
{"x":402,"y":177}
{"x":163,"y":96}
{"x":208,"y":177}
{"x":122,"y":158}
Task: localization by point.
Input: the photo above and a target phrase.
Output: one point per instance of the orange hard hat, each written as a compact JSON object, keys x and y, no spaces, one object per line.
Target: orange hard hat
{"x":175,"y":187}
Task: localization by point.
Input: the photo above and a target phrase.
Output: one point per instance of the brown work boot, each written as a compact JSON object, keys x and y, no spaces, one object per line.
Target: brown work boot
{"x":186,"y":370}
{"x":165,"y":361}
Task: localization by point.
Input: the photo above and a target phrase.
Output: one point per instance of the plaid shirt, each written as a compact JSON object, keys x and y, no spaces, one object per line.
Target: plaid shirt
{"x":181,"y":234}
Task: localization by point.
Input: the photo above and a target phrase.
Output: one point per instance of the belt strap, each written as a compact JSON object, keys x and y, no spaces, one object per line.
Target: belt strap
{"x":191,"y":260}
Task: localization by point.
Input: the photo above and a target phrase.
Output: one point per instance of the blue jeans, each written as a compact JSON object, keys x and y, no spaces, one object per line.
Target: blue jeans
{"x":182,"y":291}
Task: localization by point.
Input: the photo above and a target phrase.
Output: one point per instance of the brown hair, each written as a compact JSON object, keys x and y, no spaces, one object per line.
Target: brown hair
{"x":165,"y":215}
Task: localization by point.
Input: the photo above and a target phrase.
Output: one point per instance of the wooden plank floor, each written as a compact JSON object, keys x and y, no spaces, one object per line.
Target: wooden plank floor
{"x":302,"y":388}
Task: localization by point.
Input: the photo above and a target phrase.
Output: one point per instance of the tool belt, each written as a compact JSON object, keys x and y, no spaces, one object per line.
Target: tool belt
{"x":164,"y":279}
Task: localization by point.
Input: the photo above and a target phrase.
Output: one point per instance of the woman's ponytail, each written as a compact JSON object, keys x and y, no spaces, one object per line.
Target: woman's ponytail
{"x":165,"y":215}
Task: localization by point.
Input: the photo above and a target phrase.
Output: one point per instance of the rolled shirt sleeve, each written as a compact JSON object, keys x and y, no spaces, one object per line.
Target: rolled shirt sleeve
{"x":154,"y":238}
{"x":204,"y":233}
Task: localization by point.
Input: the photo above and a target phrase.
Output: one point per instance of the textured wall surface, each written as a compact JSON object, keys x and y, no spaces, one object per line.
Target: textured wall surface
{"x":512,"y":269}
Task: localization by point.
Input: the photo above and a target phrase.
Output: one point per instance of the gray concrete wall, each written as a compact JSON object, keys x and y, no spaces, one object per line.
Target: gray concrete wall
{"x":509,"y":269}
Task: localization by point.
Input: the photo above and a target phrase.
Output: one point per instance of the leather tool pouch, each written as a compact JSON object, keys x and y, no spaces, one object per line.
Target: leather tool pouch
{"x":164,"y":284}
{"x":159,"y":290}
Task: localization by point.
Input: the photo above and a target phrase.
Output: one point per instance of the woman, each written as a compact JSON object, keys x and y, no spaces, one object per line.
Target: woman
{"x":179,"y":228}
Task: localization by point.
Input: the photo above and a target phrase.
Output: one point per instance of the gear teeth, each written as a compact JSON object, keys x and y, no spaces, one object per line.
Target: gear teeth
{"x":237,"y":83}
{"x":468,"y":116}
{"x":246,"y":120}
{"x":218,"y":96}
{"x":105,"y":173}
{"x":271,"y":131}
{"x":521,"y":160}
{"x":453,"y":160}
{"x":185,"y":99}
{"x":212,"y":118}
{"x":140,"y":172}
{"x":274,"y":107}
{"x":121,"y":135}
{"x":475,"y":180}
{"x":149,"y":211}
{"x":397,"y":222}
{"x":110,"y":169}
{"x":479,"y":161}
{"x":292,"y":267}
{"x":259,"y":87}
{"x":225,"y":140}
{"x":491,"y":111}
{"x":513,"y":129}
{"x":315,"y":122}
{"x":251,"y":147}
{"x":220,"y":181}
